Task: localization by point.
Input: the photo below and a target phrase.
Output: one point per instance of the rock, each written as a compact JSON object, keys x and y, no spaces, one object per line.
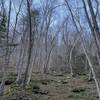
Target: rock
{"x":56,"y":85}
{"x":68,"y":77}
{"x":44,"y":82}
{"x":36,"y":89}
{"x":26,"y":98}
{"x":12,"y":99}
{"x":64,"y":81}
{"x":60,"y":75}
{"x":44,"y":92}
{"x":79,"y":89}
{"x":59,"y":81}
{"x":70,"y":96}
{"x":8,"y":82}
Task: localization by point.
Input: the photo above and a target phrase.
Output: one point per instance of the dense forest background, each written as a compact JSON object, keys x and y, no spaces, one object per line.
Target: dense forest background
{"x":49,"y":37}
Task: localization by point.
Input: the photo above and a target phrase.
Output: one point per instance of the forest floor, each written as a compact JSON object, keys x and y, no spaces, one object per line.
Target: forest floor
{"x":53,"y":87}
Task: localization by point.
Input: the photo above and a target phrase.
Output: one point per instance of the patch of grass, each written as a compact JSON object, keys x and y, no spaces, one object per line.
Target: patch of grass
{"x":49,"y":87}
{"x":81,"y":96}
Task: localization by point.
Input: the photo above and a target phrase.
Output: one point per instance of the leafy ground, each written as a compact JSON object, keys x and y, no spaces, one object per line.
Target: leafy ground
{"x":53,"y":87}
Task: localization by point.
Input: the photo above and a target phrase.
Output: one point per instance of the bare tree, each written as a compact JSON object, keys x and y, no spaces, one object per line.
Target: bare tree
{"x":87,"y":57}
{"x":7,"y":52}
{"x":94,"y":28}
{"x":30,"y":43}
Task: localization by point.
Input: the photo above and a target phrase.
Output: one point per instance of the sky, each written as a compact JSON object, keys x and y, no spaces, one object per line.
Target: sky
{"x":61,"y":12}
{"x":16,"y":3}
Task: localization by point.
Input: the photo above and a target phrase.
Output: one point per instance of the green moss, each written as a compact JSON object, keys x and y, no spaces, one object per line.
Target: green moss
{"x":81,"y":96}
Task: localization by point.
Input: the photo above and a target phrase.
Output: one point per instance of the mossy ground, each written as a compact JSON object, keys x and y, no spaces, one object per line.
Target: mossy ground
{"x":52,"y":87}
